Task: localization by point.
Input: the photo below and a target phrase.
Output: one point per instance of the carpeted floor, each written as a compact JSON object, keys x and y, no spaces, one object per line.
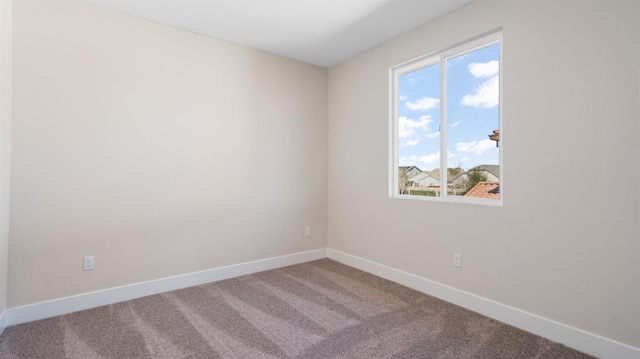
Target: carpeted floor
{"x":320,"y":309}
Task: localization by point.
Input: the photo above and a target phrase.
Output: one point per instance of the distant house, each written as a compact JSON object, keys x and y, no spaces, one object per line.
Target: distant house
{"x":452,"y":173}
{"x":424,"y":179}
{"x":491,"y":171}
{"x":489,"y":190}
{"x":410,"y":171}
{"x":435,"y":173}
{"x":460,"y":180}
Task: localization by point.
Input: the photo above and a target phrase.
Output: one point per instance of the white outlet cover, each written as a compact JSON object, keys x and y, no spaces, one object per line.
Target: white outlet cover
{"x":87,"y":263}
{"x":457,"y":260}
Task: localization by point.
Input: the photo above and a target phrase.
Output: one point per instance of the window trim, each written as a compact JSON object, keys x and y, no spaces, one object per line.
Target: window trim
{"x":486,"y":39}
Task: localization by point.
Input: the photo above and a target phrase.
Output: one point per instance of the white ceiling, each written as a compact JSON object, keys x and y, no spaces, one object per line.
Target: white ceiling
{"x":320,"y":32}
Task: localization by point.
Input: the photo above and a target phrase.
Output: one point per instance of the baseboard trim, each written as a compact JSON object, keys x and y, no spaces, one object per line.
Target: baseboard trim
{"x":572,"y":337}
{"x":52,"y":308}
{"x":4,"y":321}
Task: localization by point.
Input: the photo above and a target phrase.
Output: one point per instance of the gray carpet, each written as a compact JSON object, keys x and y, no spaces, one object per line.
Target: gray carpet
{"x":320,"y":309}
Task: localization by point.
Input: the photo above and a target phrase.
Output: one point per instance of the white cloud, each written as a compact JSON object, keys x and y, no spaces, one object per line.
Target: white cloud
{"x":402,"y":97}
{"x":486,"y":95}
{"x":485,"y":69}
{"x":408,"y":161}
{"x":423,"y":104}
{"x":477,"y":147}
{"x":423,"y":161}
{"x":410,"y":132}
{"x":432,"y":158}
{"x":464,"y":159}
{"x":455,"y":124}
{"x":407,"y":127}
{"x":432,"y":134}
{"x":413,"y":142}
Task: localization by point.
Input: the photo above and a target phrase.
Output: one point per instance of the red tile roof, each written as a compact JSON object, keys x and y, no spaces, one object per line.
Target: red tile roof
{"x":489,"y":190}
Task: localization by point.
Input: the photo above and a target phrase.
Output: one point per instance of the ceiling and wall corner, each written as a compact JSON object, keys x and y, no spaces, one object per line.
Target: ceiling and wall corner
{"x":318,"y":32}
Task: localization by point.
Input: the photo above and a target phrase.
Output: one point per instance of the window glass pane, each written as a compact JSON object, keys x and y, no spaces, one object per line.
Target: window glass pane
{"x":418,"y":106}
{"x":473,"y":123}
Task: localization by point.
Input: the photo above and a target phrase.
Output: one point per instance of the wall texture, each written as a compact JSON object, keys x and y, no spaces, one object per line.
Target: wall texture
{"x":563,"y":246}
{"x":5,"y":143}
{"x":156,"y":150}
{"x":162,"y":152}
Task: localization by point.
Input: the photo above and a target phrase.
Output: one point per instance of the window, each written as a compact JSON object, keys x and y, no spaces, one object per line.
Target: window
{"x":445,"y":124}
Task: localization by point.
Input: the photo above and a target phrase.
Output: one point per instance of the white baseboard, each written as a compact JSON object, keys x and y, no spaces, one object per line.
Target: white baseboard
{"x":572,"y":337}
{"x":4,"y":321}
{"x":31,"y":312}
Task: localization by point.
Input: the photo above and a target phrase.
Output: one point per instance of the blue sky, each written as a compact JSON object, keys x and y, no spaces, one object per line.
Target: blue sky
{"x":473,"y":112}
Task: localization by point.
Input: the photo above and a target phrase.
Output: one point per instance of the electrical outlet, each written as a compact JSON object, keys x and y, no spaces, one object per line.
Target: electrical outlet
{"x":88,"y":263}
{"x":457,"y":260}
{"x":307,"y":231}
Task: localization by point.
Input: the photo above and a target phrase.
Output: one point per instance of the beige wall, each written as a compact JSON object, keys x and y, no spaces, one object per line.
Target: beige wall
{"x":156,"y":150}
{"x":162,"y":152}
{"x":5,"y":142}
{"x":560,"y":247}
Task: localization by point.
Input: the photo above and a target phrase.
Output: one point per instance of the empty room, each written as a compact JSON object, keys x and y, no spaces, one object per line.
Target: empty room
{"x":319,"y":179}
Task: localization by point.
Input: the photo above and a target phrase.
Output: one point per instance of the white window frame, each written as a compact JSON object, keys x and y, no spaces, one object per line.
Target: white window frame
{"x":441,"y":56}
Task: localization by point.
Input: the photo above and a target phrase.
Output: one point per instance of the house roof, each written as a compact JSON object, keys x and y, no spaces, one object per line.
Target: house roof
{"x":422,"y":175}
{"x":452,"y":173}
{"x":419,"y":176}
{"x":489,"y":190}
{"x":409,"y":168}
{"x":493,"y":169}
